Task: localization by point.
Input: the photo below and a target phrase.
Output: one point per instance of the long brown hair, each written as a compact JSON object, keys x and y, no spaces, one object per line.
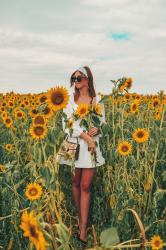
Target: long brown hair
{"x":92,"y":91}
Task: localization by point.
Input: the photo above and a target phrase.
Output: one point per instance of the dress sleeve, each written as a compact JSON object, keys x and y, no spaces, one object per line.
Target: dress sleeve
{"x":77,"y":130}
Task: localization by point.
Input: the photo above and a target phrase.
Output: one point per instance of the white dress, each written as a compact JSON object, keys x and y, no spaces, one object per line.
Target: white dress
{"x":85,"y":159}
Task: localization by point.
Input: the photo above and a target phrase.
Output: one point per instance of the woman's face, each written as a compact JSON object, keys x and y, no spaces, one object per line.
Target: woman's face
{"x":83,"y":83}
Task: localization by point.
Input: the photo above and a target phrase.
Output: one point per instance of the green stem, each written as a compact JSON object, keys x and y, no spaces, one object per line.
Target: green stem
{"x":155,"y":161}
{"x":113,"y":121}
{"x":43,"y":150}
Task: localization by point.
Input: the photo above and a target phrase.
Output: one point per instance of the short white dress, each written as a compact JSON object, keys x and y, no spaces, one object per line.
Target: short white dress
{"x":85,"y":159}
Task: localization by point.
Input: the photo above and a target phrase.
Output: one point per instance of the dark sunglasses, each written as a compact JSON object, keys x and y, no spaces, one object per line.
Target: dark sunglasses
{"x":77,"y":79}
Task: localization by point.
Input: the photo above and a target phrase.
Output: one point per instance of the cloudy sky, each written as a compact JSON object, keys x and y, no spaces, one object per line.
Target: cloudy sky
{"x":43,"y":41}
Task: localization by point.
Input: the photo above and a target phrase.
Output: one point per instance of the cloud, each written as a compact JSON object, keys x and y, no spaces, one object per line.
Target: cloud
{"x":42,"y":44}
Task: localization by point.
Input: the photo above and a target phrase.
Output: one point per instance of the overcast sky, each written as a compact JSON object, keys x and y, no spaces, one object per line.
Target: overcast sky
{"x":43,"y":41}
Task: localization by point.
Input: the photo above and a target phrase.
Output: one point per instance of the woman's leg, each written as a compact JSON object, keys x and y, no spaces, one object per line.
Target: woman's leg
{"x":76,"y":192}
{"x":86,"y":181}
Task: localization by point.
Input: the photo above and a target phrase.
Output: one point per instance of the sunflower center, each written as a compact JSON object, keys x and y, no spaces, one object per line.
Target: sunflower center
{"x":140,"y":134}
{"x":127,"y":96}
{"x":82,"y":111}
{"x":124,"y":148}
{"x":34,"y":111}
{"x":134,"y":106}
{"x":8,"y":120}
{"x":33,"y":231}
{"x":33,"y":191}
{"x":39,"y":120}
{"x":19,"y":114}
{"x":157,"y":243}
{"x":38,"y":130}
{"x":43,"y":98}
{"x":57,"y":98}
{"x":46,"y":110}
{"x":155,"y":103}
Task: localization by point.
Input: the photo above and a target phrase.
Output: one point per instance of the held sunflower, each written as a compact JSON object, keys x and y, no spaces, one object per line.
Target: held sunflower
{"x":97,"y":109}
{"x":82,"y":110}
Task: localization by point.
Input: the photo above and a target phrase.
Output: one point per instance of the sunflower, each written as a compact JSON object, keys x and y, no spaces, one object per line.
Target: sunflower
{"x":127,"y":97}
{"x":38,"y":131}
{"x":19,"y":114}
{"x":155,"y":103}
{"x":58,"y":98}
{"x":156,"y":242}
{"x":9,"y":147}
{"x":31,"y":230}
{"x":10,"y":104}
{"x":124,"y":148}
{"x":2,"y":109}
{"x":97,"y":109}
{"x":39,"y":120}
{"x":22,"y":105}
{"x":33,"y":191}
{"x":134,"y":107}
{"x":82,"y":110}
{"x":8,"y":121}
{"x":4,"y":104}
{"x":140,"y":135}
{"x":42,"y":98}
{"x":33,"y":112}
{"x":48,"y":112}
{"x":128,"y":82}
{"x":4,"y":114}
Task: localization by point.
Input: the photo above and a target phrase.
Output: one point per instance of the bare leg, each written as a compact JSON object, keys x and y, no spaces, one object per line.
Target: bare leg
{"x":76,"y":192}
{"x":86,"y":181}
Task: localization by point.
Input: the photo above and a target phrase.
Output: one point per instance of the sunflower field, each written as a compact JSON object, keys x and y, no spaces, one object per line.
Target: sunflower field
{"x":128,"y":195}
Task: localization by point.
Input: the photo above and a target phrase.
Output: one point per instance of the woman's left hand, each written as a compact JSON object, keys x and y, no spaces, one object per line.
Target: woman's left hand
{"x":93,"y":131}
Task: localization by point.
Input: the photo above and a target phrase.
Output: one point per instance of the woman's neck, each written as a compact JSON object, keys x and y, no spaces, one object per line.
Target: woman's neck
{"x":84,"y":92}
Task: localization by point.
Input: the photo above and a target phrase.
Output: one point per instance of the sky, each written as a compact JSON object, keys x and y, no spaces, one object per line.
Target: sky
{"x":42,"y":42}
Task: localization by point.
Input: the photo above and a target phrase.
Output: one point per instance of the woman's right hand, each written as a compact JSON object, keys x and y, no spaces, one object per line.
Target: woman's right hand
{"x":91,"y":145}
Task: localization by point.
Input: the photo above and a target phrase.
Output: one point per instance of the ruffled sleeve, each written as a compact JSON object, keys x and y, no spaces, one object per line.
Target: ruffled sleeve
{"x":77,"y":130}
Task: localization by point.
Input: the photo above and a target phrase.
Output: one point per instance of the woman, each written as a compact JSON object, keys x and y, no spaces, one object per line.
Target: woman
{"x":85,"y":168}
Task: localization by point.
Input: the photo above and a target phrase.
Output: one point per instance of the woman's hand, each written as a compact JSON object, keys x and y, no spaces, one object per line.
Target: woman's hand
{"x":91,"y":145}
{"x":93,"y":131}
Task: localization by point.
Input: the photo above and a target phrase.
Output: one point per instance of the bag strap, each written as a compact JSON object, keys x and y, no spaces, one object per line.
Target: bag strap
{"x":67,"y":135}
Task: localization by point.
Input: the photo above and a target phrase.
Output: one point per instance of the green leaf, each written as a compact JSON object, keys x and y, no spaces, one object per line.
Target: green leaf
{"x":96,"y":120}
{"x":164,"y":175}
{"x":109,"y":237}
